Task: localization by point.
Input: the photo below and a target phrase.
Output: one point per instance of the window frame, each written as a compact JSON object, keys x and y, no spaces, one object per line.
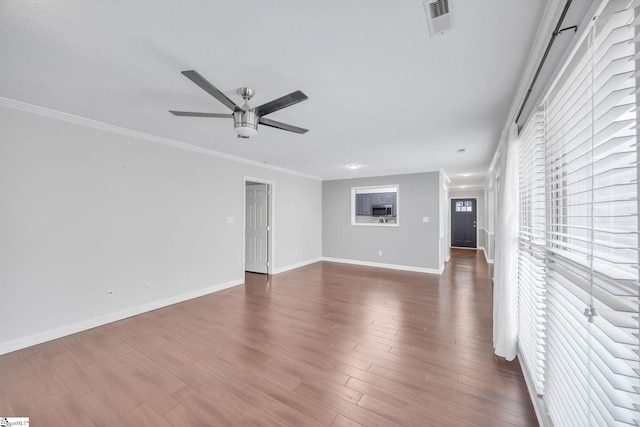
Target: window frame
{"x":373,"y":189}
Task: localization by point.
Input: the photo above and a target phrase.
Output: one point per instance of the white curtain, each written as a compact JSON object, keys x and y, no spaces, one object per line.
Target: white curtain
{"x":505,"y":287}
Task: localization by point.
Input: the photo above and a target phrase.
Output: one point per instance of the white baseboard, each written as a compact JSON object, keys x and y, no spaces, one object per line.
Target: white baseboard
{"x":538,"y":402}
{"x":294,"y":266}
{"x":382,"y":265}
{"x":20,"y":343}
{"x":486,"y":257}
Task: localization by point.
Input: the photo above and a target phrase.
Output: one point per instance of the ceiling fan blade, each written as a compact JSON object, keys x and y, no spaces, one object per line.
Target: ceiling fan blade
{"x":195,"y":77}
{"x":280,"y":103}
{"x":280,"y":125}
{"x":191,"y":114}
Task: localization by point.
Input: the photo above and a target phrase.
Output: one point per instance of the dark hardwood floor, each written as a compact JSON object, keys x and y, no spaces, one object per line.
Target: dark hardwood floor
{"x":328,"y":344}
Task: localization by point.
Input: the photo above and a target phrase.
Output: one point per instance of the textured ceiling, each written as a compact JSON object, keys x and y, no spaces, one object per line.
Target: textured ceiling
{"x":382,"y":93}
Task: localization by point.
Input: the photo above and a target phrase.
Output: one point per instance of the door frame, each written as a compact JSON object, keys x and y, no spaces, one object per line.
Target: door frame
{"x":270,"y":220}
{"x":451,"y":222}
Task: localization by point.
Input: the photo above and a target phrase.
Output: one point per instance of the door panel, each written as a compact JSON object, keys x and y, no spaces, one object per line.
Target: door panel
{"x":256,"y":228}
{"x":463,"y":223}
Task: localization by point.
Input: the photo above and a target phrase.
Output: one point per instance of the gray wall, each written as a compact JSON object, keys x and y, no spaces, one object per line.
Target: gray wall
{"x":85,"y":209}
{"x":413,"y":244}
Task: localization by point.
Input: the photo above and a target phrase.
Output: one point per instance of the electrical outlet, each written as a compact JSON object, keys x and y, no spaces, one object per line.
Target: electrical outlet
{"x":183,"y":277}
{"x":379,"y":253}
{"x":110,"y":292}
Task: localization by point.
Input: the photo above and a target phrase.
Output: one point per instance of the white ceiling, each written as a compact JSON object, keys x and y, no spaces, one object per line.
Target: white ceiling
{"x":382,"y":93}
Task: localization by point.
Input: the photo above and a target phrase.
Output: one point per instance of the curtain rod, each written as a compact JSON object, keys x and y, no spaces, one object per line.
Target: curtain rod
{"x":556,"y":31}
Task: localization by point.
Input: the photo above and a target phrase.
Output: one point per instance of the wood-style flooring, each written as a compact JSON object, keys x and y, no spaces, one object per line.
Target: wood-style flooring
{"x":324,"y":345}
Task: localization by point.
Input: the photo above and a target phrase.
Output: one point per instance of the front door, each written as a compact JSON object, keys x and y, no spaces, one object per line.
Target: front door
{"x":463,"y":223}
{"x":256,"y":228}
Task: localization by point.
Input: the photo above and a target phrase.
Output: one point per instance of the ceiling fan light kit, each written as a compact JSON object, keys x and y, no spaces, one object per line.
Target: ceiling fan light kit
{"x":245,"y":118}
{"x":245,"y":123}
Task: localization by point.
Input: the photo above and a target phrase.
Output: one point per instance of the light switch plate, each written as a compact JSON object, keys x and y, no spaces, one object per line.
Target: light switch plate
{"x":230,"y":220}
{"x":425,"y":219}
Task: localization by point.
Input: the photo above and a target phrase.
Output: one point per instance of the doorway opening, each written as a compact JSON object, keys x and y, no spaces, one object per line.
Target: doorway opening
{"x":464,"y":217}
{"x":258,"y":239}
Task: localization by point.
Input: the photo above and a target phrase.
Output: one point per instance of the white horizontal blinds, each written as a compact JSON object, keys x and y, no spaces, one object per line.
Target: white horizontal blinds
{"x":614,"y":358}
{"x":568,"y":132}
{"x":531,"y":242}
{"x":593,"y":366}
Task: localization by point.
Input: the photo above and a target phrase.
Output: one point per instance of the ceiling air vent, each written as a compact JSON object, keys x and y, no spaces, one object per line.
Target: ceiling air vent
{"x":439,"y":16}
{"x":438,"y":8}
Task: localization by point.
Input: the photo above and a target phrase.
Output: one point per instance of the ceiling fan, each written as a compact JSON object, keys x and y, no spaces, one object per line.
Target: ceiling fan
{"x":245,"y":118}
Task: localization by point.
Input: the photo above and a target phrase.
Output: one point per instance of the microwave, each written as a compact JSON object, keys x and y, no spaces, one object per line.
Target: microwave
{"x":382,"y":210}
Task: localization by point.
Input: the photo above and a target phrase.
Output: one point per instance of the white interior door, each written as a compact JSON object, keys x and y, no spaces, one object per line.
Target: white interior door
{"x":256,"y":228}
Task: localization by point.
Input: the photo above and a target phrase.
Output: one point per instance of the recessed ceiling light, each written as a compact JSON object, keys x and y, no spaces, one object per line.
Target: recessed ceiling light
{"x":354,"y":166}
{"x":466,"y":174}
{"x":463,"y":186}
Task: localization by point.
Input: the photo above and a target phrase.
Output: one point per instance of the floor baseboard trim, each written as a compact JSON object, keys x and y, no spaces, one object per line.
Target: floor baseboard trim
{"x":39,"y":338}
{"x":382,"y":265}
{"x":538,"y":402}
{"x":297,"y":265}
{"x":486,"y":257}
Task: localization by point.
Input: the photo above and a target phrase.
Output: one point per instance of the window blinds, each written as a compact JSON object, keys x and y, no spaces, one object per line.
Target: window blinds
{"x":531,"y":242}
{"x":581,"y":336}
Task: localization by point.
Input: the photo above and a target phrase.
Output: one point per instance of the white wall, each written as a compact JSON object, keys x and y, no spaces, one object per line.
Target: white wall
{"x":490,"y":205}
{"x":83,"y":210}
{"x":491,"y":191}
{"x":445,"y":229}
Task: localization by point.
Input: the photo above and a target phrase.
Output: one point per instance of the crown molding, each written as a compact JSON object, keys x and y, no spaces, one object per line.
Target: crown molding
{"x":82,"y":121}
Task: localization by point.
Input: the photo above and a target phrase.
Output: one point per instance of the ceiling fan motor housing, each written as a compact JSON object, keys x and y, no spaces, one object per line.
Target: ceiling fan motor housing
{"x":245,"y":123}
